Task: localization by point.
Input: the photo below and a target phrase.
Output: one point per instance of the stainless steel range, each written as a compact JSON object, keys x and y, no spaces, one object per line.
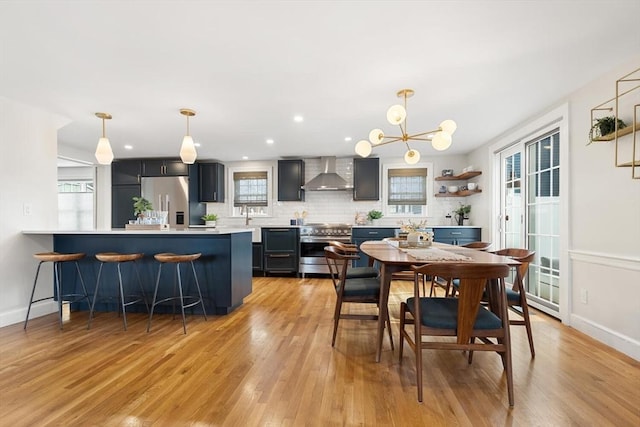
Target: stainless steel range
{"x":313,"y":239}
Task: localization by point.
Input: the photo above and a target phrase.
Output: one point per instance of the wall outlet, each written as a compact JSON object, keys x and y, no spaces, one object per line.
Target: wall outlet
{"x":584,"y":296}
{"x":26,"y":209}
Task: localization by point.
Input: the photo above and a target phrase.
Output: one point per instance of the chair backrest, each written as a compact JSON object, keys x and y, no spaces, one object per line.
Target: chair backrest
{"x":344,"y":247}
{"x":338,"y":261}
{"x":473,"y":279}
{"x":524,"y":257}
{"x":481,"y":246}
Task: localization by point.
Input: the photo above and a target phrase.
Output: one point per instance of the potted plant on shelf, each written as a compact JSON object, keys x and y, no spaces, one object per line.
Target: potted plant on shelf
{"x":604,"y":126}
{"x":373,"y":216}
{"x":140,"y":206}
{"x":210,"y":219}
{"x":461,"y":213}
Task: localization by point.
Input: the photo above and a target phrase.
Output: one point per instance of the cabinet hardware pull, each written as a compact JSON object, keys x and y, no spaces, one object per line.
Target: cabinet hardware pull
{"x":373,"y":232}
{"x":279,"y":229}
{"x":215,"y":196}
{"x":457,"y":233}
{"x":279,"y":256}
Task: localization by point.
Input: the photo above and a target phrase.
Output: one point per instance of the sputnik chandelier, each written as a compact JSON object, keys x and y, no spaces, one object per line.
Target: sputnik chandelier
{"x":397,"y":115}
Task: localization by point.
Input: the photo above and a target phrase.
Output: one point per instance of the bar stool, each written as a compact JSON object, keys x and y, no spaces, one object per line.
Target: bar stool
{"x":58,"y":258}
{"x":119,"y":258}
{"x":176,"y":259}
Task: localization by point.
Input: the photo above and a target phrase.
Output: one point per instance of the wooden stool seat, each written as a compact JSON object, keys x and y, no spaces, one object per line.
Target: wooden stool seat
{"x":57,"y":257}
{"x":118,"y":257}
{"x":169,"y":257}
{"x":186,"y":301}
{"x":124,"y":299}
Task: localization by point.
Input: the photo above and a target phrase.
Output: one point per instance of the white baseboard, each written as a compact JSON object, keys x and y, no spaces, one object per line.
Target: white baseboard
{"x":622,"y":343}
{"x":37,"y":309}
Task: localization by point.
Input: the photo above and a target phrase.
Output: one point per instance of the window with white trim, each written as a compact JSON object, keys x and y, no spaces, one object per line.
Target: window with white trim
{"x":250,"y":192}
{"x":406,"y":191}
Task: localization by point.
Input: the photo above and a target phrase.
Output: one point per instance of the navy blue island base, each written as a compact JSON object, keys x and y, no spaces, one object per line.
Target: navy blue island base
{"x":224,"y":269}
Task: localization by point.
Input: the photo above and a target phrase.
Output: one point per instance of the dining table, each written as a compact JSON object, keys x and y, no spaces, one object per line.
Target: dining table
{"x":391,"y":258}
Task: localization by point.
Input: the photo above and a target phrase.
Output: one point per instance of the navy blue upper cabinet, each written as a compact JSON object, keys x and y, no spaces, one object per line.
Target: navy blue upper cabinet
{"x":164,"y":167}
{"x":366,"y":178}
{"x":290,"y":180}
{"x":211,"y":182}
{"x":126,"y":172}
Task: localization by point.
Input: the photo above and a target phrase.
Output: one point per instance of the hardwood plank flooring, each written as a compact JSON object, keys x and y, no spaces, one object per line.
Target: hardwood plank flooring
{"x":271,"y":363}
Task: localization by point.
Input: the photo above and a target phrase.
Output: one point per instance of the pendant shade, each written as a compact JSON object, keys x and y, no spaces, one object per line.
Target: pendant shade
{"x":188,"y":152}
{"x":412,"y":157}
{"x":363,"y":148}
{"x":104,"y":153}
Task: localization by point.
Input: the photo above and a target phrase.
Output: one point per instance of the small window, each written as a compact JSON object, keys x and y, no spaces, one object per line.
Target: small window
{"x":406,"y":191}
{"x":250,"y":192}
{"x":250,"y":189}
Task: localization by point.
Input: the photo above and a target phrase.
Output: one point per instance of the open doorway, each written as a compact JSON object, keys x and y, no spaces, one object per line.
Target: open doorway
{"x":76,"y":195}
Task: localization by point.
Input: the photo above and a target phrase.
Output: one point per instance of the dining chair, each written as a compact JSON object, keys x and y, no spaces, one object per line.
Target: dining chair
{"x":516,"y":294}
{"x":355,"y":272}
{"x":451,"y":284}
{"x":352,"y":290}
{"x":463,"y":318}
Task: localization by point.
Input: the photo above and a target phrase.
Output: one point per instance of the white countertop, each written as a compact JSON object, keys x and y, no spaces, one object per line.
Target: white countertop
{"x":183,"y":231}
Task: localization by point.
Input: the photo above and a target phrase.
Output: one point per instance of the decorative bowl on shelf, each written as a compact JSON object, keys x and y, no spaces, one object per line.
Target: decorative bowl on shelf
{"x":472,"y":186}
{"x":452,"y":189}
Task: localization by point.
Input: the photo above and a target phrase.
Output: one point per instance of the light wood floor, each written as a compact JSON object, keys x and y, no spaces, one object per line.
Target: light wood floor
{"x":271,"y":363}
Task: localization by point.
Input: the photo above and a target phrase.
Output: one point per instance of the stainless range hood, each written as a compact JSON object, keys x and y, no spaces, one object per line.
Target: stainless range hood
{"x":328,"y":179}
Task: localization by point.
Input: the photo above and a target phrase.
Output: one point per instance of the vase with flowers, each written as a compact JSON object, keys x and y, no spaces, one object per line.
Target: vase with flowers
{"x":415,"y":233}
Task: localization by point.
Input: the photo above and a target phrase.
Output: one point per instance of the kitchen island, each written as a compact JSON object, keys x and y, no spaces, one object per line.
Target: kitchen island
{"x":224,"y":269}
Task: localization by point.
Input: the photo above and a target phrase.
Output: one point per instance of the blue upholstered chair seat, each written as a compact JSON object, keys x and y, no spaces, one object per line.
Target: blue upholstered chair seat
{"x":442,"y":313}
{"x":362,"y":287}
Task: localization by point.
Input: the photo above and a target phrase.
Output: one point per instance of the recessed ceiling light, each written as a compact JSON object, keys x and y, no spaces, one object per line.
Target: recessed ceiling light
{"x":197,"y":144}
{"x":245,"y":158}
{"x":270,"y":141}
{"x":348,"y":139}
{"x":298,"y":119}
{"x":128,"y":147}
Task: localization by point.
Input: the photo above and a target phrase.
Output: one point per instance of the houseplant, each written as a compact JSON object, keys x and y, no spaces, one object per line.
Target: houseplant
{"x":210,"y":219}
{"x":461,"y":213}
{"x":140,"y":206}
{"x":604,"y":126}
{"x":374,"y":215}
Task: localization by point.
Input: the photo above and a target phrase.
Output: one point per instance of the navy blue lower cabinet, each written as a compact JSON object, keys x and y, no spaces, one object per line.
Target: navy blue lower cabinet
{"x":457,"y":235}
{"x":363,"y":234}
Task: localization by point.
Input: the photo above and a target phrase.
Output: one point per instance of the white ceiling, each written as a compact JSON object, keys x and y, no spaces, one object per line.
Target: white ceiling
{"x":247,"y":67}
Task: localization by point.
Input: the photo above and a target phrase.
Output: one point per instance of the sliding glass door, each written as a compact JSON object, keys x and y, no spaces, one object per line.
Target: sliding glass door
{"x":530,"y":213}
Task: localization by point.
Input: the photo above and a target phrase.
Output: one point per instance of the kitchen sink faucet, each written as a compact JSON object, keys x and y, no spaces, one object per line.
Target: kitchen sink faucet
{"x":246,"y":215}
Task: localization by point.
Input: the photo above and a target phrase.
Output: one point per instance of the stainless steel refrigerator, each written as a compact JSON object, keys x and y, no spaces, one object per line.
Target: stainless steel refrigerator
{"x":169,"y":193}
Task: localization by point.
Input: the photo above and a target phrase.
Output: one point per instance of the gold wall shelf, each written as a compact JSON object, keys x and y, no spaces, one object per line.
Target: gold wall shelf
{"x":633,"y":129}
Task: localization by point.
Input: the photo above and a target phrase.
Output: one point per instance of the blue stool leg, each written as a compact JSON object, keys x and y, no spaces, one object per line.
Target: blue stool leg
{"x":124,"y":313}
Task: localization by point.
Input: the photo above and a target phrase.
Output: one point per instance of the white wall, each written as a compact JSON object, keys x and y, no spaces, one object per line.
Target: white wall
{"x":603,"y":231}
{"x":28,"y":179}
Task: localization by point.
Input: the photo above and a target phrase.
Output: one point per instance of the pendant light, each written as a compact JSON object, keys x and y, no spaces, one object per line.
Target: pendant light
{"x":104,"y":154}
{"x":188,"y":149}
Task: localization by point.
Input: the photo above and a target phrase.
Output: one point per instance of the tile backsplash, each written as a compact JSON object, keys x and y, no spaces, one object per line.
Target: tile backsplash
{"x":334,"y":206}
